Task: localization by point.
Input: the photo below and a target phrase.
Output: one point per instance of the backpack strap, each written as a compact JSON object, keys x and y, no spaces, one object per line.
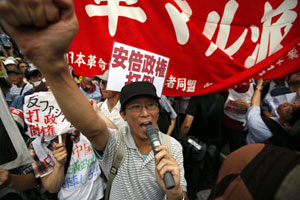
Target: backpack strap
{"x":280,"y":135}
{"x":166,"y":141}
{"x":118,"y":159}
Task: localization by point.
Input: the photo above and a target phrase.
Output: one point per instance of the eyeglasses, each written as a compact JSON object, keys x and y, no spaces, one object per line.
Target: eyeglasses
{"x":139,"y":108}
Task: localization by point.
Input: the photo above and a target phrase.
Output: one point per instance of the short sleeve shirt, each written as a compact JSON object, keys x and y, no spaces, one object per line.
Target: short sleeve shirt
{"x":258,"y":132}
{"x":136,"y":176}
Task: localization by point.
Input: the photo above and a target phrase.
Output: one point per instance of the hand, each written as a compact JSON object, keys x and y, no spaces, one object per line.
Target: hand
{"x":241,"y":103}
{"x":166,"y":163}
{"x":94,"y":104}
{"x":42,"y":29}
{"x":4,"y":178}
{"x":259,"y":83}
{"x":60,"y":154}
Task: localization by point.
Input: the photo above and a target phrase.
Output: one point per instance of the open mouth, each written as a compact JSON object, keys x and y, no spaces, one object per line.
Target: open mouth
{"x":145,"y":124}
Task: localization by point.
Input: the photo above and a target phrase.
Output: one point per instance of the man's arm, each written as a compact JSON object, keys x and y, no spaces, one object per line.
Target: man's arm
{"x":186,"y":125}
{"x":256,"y":98}
{"x":267,"y":114}
{"x":44,"y":37}
{"x":171,"y":127}
{"x":53,"y":181}
{"x":18,"y":182}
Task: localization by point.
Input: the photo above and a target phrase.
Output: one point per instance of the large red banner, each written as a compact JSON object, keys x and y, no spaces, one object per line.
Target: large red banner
{"x":212,"y":45}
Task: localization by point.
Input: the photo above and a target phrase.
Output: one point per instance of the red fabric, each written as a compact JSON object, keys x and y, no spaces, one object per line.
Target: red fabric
{"x":17,"y":112}
{"x":192,"y":71}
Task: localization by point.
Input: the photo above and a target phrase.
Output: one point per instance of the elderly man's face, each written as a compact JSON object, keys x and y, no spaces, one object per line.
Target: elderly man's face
{"x":15,"y":78}
{"x":285,"y":110}
{"x":139,"y":113}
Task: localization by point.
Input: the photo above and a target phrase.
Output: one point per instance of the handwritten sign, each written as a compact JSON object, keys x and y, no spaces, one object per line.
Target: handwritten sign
{"x":131,"y":64}
{"x":43,"y":116}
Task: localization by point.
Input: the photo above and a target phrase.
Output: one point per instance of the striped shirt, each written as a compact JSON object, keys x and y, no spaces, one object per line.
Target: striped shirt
{"x":136,"y":176}
{"x":14,"y":90}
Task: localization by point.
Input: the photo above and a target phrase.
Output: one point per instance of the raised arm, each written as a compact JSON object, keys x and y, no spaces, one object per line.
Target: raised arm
{"x":44,"y":30}
{"x":255,"y":101}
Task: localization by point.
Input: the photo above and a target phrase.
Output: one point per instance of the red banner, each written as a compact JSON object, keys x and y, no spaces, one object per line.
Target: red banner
{"x":212,"y":45}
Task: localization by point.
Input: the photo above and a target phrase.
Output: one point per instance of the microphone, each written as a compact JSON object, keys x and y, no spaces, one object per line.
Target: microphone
{"x":152,"y":134}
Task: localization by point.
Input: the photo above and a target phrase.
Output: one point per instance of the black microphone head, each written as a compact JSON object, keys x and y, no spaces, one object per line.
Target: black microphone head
{"x":151,"y":129}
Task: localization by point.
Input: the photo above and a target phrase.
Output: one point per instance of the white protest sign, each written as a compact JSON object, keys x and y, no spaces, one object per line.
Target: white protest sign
{"x":23,"y":156}
{"x":274,"y":102}
{"x":43,"y":116}
{"x":130,"y":64}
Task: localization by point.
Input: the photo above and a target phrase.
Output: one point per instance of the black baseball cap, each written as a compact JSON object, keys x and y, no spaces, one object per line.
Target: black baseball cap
{"x":134,"y":89}
{"x":30,"y":71}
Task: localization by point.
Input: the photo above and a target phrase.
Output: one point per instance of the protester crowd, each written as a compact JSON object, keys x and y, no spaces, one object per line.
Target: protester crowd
{"x":262,"y":116}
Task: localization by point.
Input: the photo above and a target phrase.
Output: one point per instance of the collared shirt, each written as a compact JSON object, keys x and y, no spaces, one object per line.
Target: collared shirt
{"x":114,"y":115}
{"x":136,"y":176}
{"x":258,"y":132}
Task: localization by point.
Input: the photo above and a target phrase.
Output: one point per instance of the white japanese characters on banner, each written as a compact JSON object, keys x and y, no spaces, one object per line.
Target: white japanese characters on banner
{"x":212,"y":45}
{"x":131,"y":64}
{"x":43,"y":116}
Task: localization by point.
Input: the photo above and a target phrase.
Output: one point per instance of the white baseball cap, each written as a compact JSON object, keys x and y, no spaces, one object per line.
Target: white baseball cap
{"x":10,"y":61}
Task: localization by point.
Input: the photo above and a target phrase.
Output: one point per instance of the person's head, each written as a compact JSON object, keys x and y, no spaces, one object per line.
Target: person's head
{"x":102,"y":80}
{"x":22,"y":65}
{"x":294,"y":81}
{"x":280,"y":82}
{"x":294,"y":76}
{"x":139,"y":107}
{"x":289,"y":113}
{"x":16,"y":77}
{"x":33,"y":75}
{"x":10,"y":63}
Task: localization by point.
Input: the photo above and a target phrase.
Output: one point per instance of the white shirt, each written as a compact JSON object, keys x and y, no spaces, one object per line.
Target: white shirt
{"x":114,"y":115}
{"x":82,"y":180}
{"x":233,"y":111}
